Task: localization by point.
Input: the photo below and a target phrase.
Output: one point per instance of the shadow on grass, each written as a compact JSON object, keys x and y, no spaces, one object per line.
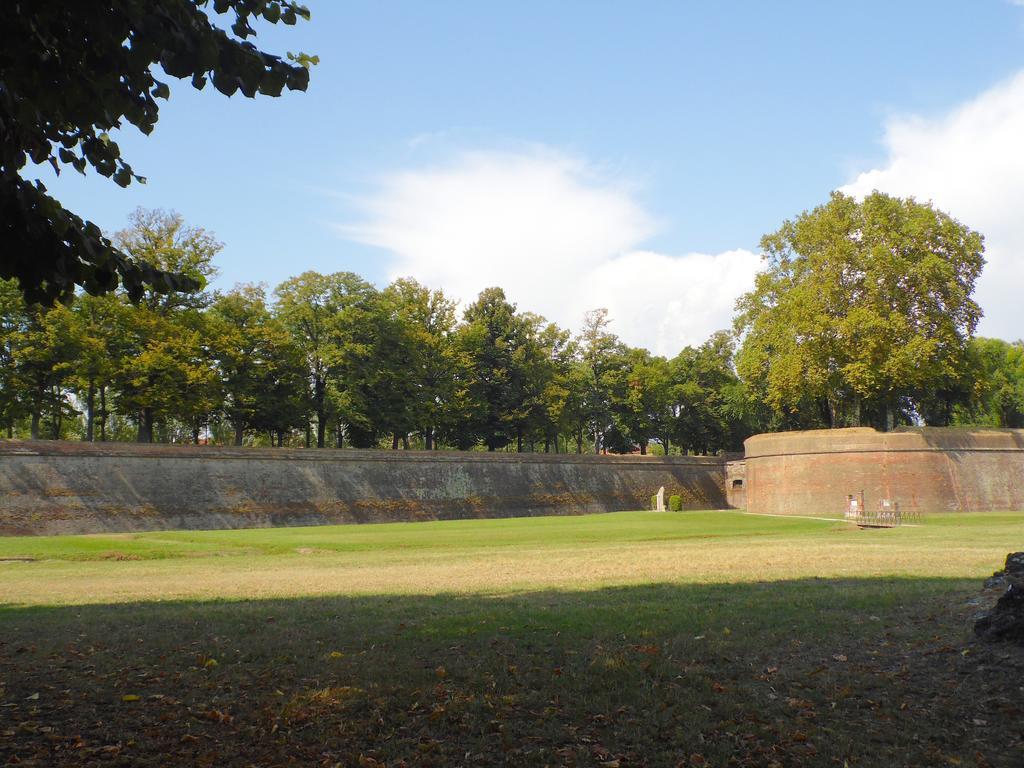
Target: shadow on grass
{"x":804,"y":672}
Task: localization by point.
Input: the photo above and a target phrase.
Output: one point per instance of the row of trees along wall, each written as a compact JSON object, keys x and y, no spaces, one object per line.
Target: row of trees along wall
{"x":862,"y":316}
{"x":332,"y":360}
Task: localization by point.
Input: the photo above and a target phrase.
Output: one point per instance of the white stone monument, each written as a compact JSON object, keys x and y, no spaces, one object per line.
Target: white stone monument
{"x":661,"y":500}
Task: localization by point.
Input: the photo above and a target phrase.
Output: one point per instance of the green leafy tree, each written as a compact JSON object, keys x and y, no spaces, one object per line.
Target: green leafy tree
{"x":709,"y":415}
{"x":162,"y":238}
{"x":641,"y":398}
{"x":14,"y":319}
{"x":357,"y":369}
{"x":603,"y":358}
{"x":262,"y":371}
{"x":391,"y":409}
{"x":307,"y":306}
{"x":554,"y":411}
{"x":494,"y":338}
{"x":330,"y":319}
{"x":575,"y":412}
{"x":237,"y":323}
{"x":167,"y":371}
{"x":101,"y":324}
{"x":744,"y":414}
{"x":512,"y":363}
{"x":74,"y":72}
{"x":997,"y":399}
{"x":169,"y":374}
{"x":458,"y":416}
{"x":535,"y":362}
{"x":283,"y":404}
{"x":862,"y":305}
{"x":416,"y":360}
{"x":44,"y":351}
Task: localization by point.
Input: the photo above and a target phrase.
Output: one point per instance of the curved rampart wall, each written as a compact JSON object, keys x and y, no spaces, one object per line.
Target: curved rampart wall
{"x":923,"y":470}
{"x":54,"y":487}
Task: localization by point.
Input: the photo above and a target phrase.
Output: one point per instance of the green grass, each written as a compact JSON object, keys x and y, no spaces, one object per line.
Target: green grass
{"x":632,"y":639}
{"x":454,"y":535}
{"x":489,"y":556}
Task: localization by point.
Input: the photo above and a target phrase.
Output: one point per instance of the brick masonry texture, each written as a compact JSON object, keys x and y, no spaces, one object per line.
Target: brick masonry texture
{"x":64,"y":487}
{"x":735,"y":484}
{"x":923,"y":470}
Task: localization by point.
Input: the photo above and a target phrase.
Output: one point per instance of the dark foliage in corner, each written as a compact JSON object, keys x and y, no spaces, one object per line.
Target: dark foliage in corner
{"x":72,"y":72}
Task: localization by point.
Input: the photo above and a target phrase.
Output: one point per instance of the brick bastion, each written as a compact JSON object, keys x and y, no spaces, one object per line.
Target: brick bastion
{"x":921,"y":469}
{"x":49,"y":487}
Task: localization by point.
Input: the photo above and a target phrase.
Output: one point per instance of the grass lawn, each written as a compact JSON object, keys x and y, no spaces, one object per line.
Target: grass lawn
{"x":628,"y":639}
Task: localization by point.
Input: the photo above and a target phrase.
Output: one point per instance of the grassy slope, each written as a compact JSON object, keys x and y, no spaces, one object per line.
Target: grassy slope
{"x":633,"y":639}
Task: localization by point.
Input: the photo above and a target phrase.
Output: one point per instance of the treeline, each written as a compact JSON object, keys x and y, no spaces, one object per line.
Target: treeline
{"x":329,"y":360}
{"x":863,"y":315}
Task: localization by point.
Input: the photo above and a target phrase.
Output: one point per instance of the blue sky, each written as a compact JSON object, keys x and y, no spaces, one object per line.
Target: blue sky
{"x":588,"y":153}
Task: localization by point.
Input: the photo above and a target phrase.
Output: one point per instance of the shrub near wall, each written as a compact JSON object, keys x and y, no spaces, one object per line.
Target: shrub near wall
{"x":675,"y":503}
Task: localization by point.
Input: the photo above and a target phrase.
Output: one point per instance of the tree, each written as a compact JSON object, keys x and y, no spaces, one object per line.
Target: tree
{"x":61,"y":94}
{"x":162,"y":239}
{"x":493,"y":339}
{"x":168,"y":375}
{"x":576,"y":405}
{"x":536,"y":362}
{"x":261,"y":371}
{"x":602,"y":356}
{"x":13,"y":322}
{"x":554,"y":409}
{"x":512,"y":361}
{"x":44,"y":352}
{"x":997,"y":399}
{"x":283,"y":401}
{"x":330,"y":320}
{"x":862,"y":305}
{"x":101,"y":324}
{"x":641,"y":397}
{"x":710,"y":414}
{"x":415,"y":359}
{"x":237,"y":325}
{"x":167,"y":370}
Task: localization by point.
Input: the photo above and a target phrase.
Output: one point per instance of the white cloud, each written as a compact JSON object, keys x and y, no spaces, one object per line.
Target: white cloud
{"x":559,"y":237}
{"x":666,"y":302}
{"x":970,"y":163}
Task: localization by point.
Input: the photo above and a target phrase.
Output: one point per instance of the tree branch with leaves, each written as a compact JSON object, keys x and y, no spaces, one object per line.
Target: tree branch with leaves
{"x":72,"y":73}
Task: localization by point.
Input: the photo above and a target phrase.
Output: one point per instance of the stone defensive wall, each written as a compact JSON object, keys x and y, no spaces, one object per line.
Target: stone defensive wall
{"x":922,"y":470}
{"x":65,"y":487}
